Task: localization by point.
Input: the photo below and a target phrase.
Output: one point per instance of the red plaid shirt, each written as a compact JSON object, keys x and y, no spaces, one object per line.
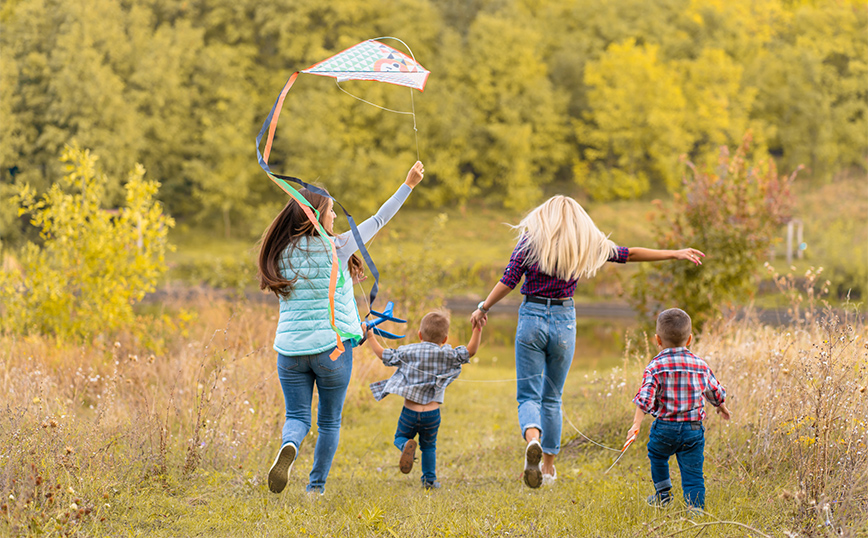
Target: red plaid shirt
{"x":542,"y":284}
{"x":674,"y":383}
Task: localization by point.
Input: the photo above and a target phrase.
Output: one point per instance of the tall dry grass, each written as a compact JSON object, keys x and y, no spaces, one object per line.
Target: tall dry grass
{"x":799,"y":395}
{"x":84,"y":424}
{"x":193,"y":389}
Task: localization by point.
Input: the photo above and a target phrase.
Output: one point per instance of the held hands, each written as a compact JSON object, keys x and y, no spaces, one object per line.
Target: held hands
{"x":415,"y":175}
{"x":689,"y":254}
{"x":478,"y":319}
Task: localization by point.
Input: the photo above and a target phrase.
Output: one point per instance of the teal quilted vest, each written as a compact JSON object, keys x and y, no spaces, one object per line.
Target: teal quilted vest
{"x":303,"y":327}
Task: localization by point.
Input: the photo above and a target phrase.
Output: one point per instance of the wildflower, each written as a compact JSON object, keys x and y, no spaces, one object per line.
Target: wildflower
{"x":36,"y":400}
{"x":117,"y":344}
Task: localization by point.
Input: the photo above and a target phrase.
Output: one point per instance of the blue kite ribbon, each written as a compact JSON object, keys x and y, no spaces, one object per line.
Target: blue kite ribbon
{"x":270,"y":124}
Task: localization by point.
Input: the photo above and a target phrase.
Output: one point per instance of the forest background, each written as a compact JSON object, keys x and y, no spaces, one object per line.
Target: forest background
{"x":526,"y":98}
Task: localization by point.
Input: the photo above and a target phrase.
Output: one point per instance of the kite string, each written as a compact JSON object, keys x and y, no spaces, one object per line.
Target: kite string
{"x":545,"y":377}
{"x":413,"y":113}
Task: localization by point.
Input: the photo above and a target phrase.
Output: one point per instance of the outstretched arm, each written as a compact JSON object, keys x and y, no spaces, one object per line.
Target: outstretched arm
{"x":639,"y":254}
{"x":346,"y":243}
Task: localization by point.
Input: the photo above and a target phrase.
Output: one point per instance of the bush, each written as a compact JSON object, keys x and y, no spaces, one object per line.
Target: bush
{"x":732,"y":214}
{"x":93,"y":264}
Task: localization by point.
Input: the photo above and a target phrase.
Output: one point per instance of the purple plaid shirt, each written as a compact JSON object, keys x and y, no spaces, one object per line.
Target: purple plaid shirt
{"x":541,"y":284}
{"x":673,"y":385}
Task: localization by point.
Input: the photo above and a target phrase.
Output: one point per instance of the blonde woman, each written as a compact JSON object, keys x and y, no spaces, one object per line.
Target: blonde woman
{"x":558,"y":244}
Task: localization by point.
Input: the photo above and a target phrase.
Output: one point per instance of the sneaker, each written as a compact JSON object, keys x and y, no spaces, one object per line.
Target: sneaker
{"x":407,"y":456}
{"x":532,"y":455}
{"x":660,"y":499}
{"x":431,"y":485}
{"x":548,"y":480}
{"x":278,"y":476}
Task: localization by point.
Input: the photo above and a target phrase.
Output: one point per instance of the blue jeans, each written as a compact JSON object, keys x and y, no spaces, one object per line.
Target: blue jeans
{"x":686,"y":441}
{"x":426,"y":424}
{"x":544,"y":344}
{"x":297,"y":375}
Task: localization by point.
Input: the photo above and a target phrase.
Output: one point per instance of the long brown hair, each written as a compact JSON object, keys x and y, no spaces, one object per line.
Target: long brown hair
{"x":284,"y":232}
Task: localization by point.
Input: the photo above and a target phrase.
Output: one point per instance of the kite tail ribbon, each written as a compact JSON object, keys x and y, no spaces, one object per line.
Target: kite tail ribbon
{"x":336,"y":277}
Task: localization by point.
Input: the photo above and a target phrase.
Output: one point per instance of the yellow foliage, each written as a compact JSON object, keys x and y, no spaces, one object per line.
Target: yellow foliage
{"x":93,"y":264}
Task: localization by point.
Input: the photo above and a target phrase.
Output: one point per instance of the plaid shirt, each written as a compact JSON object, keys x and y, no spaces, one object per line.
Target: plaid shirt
{"x":673,"y":385}
{"x":424,"y":371}
{"x":541,"y":284}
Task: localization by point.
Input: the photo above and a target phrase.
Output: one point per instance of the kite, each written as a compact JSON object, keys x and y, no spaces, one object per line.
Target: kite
{"x":369,"y":60}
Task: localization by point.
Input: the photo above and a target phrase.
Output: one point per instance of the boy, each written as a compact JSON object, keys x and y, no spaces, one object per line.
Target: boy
{"x":424,"y":371}
{"x":673,"y":385}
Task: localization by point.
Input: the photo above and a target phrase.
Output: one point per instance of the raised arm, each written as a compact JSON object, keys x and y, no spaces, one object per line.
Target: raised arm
{"x":473,"y":345}
{"x":345,"y":243}
{"x":372,"y":342}
{"x":639,"y":254}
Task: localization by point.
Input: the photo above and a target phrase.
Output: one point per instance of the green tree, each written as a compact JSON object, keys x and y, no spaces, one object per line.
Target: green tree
{"x":636,"y":126}
{"x":92,"y":264}
{"x":731,"y":210}
{"x":813,"y":87}
{"x":519,"y":121}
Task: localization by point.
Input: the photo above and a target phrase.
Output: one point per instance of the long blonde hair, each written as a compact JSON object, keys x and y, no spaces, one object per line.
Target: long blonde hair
{"x":563,"y":240}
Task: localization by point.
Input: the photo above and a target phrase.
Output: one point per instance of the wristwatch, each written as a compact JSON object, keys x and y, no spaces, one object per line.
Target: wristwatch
{"x":481,"y":308}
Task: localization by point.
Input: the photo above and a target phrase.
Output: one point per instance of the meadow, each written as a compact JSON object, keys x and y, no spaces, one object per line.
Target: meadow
{"x":168,"y":427}
{"x":112,"y":439}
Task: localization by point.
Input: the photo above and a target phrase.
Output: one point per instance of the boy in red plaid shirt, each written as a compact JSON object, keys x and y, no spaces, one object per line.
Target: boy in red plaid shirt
{"x":673,"y":385}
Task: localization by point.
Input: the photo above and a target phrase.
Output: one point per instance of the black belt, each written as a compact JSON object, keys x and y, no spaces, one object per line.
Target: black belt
{"x":546,"y":300}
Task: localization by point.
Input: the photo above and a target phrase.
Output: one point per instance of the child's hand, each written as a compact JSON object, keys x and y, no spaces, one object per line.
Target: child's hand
{"x":415,"y":175}
{"x":478,"y":319}
{"x":633,"y":431}
{"x":723,"y":411}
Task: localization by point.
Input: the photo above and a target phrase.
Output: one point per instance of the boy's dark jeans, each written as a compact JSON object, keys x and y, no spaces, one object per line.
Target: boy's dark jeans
{"x":686,"y":440}
{"x":426,"y":424}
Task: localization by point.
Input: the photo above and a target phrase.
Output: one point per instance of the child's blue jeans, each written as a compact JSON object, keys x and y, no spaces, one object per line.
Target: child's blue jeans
{"x":685,"y":440}
{"x":426,"y":424}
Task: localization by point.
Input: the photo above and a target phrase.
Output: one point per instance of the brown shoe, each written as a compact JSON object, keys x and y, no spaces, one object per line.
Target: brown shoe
{"x":407,"y":456}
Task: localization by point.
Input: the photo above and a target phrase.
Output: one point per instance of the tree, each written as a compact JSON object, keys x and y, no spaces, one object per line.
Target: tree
{"x":731,"y":212}
{"x":93,"y":264}
{"x":636,"y":126}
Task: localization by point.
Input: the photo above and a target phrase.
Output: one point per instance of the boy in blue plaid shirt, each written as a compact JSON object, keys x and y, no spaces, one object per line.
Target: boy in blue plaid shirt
{"x":424,"y":371}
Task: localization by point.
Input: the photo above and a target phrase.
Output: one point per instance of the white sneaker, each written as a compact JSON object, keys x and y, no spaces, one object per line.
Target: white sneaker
{"x":532,"y":455}
{"x":278,"y":476}
{"x":548,"y":480}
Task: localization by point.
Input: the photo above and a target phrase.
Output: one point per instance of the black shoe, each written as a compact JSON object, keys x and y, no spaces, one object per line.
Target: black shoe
{"x":660,"y":499}
{"x":278,"y":476}
{"x":431,"y":485}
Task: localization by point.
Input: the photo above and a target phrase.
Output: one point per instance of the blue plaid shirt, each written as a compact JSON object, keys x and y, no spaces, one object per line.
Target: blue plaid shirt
{"x":424,"y":371}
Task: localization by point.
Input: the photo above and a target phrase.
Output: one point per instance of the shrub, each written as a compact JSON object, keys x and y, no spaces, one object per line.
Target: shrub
{"x":731,"y":213}
{"x":93,"y":264}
